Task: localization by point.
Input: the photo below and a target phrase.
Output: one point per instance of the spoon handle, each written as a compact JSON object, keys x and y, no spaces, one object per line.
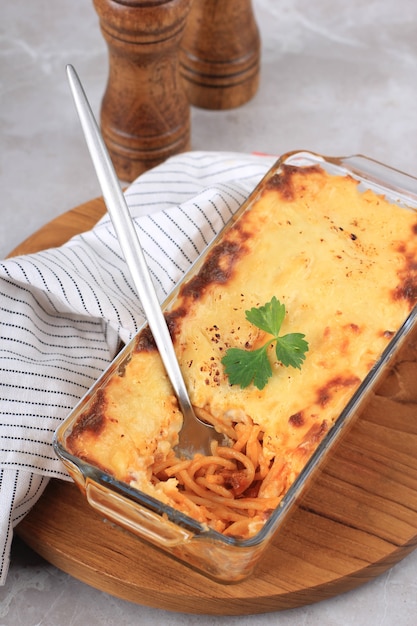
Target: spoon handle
{"x":129,"y":242}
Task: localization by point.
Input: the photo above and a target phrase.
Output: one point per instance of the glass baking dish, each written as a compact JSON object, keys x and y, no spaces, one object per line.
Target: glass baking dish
{"x":224,"y":558}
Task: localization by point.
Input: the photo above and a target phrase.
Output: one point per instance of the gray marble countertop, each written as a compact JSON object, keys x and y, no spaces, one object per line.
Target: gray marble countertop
{"x":337,"y":78}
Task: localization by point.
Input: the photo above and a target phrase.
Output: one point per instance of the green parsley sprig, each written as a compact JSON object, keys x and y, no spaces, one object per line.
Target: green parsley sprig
{"x":244,"y":367}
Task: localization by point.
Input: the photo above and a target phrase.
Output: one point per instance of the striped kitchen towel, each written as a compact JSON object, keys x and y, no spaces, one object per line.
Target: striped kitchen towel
{"x":64,"y":311}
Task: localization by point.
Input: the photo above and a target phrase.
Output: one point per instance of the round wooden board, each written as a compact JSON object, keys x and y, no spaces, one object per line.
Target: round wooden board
{"x":358,"y":518}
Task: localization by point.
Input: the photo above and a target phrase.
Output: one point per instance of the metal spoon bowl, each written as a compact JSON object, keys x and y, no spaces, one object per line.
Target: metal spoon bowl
{"x":195,"y":435}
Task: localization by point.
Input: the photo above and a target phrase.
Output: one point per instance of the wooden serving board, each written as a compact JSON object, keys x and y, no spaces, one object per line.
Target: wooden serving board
{"x":358,"y":518}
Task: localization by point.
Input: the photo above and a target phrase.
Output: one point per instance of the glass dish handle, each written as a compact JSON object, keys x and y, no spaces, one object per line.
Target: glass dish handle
{"x":131,"y":516}
{"x":379,"y":175}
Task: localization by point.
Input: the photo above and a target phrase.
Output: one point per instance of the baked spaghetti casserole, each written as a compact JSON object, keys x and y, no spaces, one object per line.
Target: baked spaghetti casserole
{"x":343,"y":261}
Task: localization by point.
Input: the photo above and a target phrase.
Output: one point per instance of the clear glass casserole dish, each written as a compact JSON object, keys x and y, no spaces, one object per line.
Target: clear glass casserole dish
{"x":230,"y":558}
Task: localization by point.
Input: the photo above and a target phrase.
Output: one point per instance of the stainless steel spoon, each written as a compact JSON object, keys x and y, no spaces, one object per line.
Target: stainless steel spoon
{"x":195,"y":435}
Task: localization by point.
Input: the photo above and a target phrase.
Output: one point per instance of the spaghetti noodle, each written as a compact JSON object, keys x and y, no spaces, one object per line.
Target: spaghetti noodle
{"x":235,"y":489}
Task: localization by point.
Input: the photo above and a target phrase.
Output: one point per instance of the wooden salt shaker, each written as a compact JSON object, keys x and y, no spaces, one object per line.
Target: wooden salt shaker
{"x":220,"y":53}
{"x":145,"y":113}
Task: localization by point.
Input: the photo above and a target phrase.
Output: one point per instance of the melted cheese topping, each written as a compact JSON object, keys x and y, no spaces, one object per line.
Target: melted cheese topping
{"x":343,"y":261}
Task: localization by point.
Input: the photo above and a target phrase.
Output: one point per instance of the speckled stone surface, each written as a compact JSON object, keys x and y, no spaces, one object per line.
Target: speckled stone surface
{"x":336,"y":78}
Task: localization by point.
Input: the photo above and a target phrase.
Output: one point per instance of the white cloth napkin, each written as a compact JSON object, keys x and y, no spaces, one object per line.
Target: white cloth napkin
{"x":65,"y":310}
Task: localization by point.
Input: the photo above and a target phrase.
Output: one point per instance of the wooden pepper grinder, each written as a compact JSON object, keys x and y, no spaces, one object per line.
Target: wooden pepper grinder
{"x":220,"y":53}
{"x":145,"y":113}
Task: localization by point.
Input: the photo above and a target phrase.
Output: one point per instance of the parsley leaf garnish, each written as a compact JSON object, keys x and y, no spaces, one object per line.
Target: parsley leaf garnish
{"x":244,"y":367}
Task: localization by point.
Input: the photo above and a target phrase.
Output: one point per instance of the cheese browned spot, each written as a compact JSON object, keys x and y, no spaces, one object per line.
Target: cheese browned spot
{"x":344,"y":263}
